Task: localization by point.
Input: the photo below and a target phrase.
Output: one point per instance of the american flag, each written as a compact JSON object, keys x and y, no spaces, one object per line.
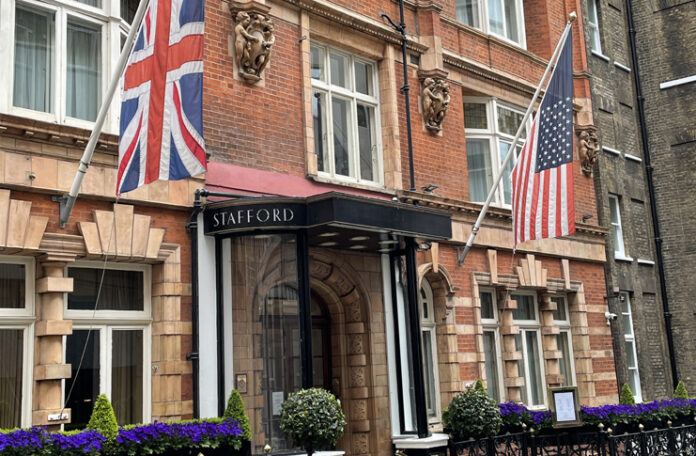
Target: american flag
{"x":161,"y":125}
{"x":542,"y":180}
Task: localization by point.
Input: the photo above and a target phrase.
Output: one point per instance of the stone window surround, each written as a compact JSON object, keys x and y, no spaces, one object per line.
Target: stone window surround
{"x":504,"y":284}
{"x":484,"y":25}
{"x":429,"y":327}
{"x":315,"y":28}
{"x":22,"y":319}
{"x":492,"y":325}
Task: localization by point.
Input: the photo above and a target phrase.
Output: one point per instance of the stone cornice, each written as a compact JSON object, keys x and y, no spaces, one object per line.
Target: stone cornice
{"x":343,"y":16}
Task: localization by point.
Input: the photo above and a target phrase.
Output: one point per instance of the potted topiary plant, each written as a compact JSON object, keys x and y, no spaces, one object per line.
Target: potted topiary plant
{"x":235,"y":410}
{"x":103,"y":419}
{"x":626,"y":397}
{"x":472,"y":414}
{"x":312,"y":419}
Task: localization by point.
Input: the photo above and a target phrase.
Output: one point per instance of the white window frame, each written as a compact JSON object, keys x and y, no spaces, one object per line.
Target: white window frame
{"x":565,"y":329}
{"x":353,"y":97}
{"x":617,"y":229}
{"x":428,"y":325}
{"x":494,"y":135}
{"x":483,"y":20}
{"x":493,"y":325}
{"x":624,"y":297}
{"x":23,"y":319}
{"x":108,"y":321}
{"x":593,"y":25}
{"x":526,"y":326}
{"x":112,"y":26}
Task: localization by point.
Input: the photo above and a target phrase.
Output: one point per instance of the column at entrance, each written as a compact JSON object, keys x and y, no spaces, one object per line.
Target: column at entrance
{"x":49,"y":370}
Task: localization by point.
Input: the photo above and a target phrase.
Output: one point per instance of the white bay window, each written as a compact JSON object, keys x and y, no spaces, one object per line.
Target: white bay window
{"x":491,"y":345}
{"x":62,"y":54}
{"x":528,"y":342}
{"x":345,"y":111}
{"x":490,"y":127}
{"x":502,"y":18}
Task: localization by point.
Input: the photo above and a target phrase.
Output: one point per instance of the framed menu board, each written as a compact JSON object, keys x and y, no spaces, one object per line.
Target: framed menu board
{"x":565,"y":407}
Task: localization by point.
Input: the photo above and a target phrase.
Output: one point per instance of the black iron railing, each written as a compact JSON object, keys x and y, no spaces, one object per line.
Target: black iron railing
{"x":672,"y":441}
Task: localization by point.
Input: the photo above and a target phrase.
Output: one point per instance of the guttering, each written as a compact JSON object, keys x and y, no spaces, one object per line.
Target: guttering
{"x":651,"y":190}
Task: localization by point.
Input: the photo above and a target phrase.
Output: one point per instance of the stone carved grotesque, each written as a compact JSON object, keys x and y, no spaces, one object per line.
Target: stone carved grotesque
{"x":436,"y":99}
{"x":254,"y":39}
{"x":588,"y":149}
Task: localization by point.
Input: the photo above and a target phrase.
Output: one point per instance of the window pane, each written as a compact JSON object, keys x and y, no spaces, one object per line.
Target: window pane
{"x":95,"y":3}
{"x":564,"y":365}
{"x":634,"y":383}
{"x":487,"y":311}
{"x":127,"y":376}
{"x":468,"y":12}
{"x":85,"y":386}
{"x":128,"y":9}
{"x":525,"y":307}
{"x":12,"y":343}
{"x":319,"y":118}
{"x":534,"y":379}
{"x":509,"y":121}
{"x":475,"y":116}
{"x":121,"y":290}
{"x":480,"y":172}
{"x":363,"y":78}
{"x":12,"y":283}
{"x":614,"y":210}
{"x":521,"y":371}
{"x":428,"y":366}
{"x":83,"y":90}
{"x":490,"y":351}
{"x":317,"y":59}
{"x":630,"y":355}
{"x":627,"y":324}
{"x":318,"y":344}
{"x":495,"y":17}
{"x":339,"y":70}
{"x":503,"y":148}
{"x":511,"y":19}
{"x":33,"y":69}
{"x":366,"y":142}
{"x":560,"y":313}
{"x":341,"y":137}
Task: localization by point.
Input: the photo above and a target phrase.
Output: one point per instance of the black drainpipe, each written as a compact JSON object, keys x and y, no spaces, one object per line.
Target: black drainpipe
{"x":192,"y":227}
{"x":651,"y":190}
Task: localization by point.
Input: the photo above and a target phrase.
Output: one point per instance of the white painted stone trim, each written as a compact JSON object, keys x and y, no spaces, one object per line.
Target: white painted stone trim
{"x":610,"y":150}
{"x":414,"y":443}
{"x":601,"y":56}
{"x":627,"y":259}
{"x":622,"y":67}
{"x":207,"y":323}
{"x":646,"y":262}
{"x":633,"y":158}
{"x":678,"y":82}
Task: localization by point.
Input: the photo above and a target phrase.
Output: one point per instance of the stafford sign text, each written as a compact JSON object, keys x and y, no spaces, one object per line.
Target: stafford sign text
{"x":235,"y":218}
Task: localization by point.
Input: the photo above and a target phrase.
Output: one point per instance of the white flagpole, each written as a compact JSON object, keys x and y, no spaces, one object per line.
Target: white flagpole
{"x":68,"y":201}
{"x":475,"y":229}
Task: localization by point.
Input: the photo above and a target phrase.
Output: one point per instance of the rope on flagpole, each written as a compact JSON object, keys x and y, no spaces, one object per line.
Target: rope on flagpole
{"x":463,"y":251}
{"x":68,"y":201}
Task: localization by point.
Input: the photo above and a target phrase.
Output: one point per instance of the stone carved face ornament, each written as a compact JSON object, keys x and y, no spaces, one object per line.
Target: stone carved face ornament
{"x":254,"y":39}
{"x":588,"y":149}
{"x":436,"y":100}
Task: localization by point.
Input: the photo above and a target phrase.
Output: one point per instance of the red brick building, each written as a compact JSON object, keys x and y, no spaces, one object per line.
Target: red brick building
{"x":313,"y":261}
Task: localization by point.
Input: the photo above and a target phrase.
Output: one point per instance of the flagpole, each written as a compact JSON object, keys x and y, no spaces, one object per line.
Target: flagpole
{"x":475,"y":229}
{"x":68,"y":201}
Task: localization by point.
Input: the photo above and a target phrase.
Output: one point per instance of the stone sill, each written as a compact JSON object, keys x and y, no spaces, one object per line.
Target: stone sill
{"x":414,"y":443}
{"x":623,"y":258}
{"x":601,"y":56}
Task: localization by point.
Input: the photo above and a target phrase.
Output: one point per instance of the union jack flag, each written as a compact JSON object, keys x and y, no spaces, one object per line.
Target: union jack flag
{"x":543,"y":205}
{"x":161,"y":126}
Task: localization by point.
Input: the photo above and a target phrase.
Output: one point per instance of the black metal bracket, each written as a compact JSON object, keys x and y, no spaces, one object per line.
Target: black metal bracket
{"x":62,"y":201}
{"x":190,"y":356}
{"x":460,"y":253}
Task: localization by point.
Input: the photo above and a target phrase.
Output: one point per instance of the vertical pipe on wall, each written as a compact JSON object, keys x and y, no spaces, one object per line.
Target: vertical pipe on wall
{"x":193,"y":355}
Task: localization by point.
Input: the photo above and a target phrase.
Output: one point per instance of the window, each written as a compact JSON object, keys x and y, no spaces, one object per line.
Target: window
{"x":345,"y":116}
{"x":110,"y":342}
{"x":616,"y":230}
{"x":62,"y":56}
{"x":429,"y":344}
{"x":630,"y":346}
{"x":528,"y":342}
{"x":564,"y":340}
{"x":16,"y":332}
{"x":490,"y":128}
{"x":503,"y":18}
{"x":593,"y":25}
{"x":491,"y":344}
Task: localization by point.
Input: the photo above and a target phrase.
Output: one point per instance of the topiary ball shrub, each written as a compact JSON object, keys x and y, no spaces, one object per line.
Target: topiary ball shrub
{"x":680,"y":391}
{"x":235,"y":410}
{"x":312,"y":419}
{"x":103,"y":419}
{"x":626,"y":397}
{"x":472,"y":414}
